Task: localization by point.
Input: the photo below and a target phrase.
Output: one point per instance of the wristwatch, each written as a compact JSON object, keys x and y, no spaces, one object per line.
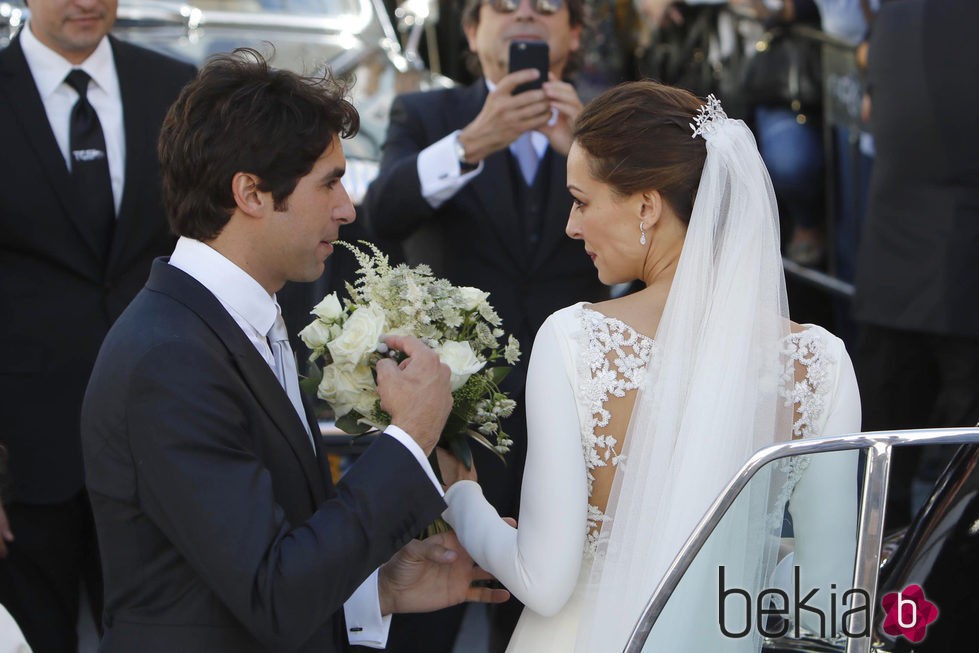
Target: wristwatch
{"x":464,"y":165}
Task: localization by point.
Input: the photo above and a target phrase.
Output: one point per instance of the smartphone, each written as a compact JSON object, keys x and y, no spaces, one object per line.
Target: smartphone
{"x":529,"y":54}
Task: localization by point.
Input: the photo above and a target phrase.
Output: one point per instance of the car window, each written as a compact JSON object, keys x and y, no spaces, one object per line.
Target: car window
{"x":778,"y":566}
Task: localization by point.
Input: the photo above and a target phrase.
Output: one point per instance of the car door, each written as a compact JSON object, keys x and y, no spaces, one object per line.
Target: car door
{"x":789,"y":557}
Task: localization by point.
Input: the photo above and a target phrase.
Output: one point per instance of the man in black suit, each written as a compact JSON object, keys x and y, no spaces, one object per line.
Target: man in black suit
{"x":917,"y":284}
{"x":74,"y":250}
{"x":473,"y":181}
{"x":219,"y":526}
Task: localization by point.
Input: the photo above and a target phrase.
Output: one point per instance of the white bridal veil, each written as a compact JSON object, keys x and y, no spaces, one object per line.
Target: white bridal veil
{"x":711,"y":395}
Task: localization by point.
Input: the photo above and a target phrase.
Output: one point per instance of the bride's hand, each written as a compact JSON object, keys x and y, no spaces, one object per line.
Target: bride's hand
{"x":452,"y":468}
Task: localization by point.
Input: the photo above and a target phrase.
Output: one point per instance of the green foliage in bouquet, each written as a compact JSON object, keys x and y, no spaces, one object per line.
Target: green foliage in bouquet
{"x":457,"y":322}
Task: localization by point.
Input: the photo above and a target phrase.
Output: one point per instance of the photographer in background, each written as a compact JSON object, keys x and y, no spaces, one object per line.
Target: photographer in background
{"x":473,"y":183}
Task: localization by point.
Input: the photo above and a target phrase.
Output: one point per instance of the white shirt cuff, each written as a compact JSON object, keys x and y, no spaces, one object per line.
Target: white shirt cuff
{"x":439,"y":172}
{"x":362,"y":611}
{"x":398,"y":434}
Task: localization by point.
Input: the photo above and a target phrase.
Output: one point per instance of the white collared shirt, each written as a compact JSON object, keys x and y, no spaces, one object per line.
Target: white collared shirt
{"x":439,"y":173}
{"x":49,"y":69}
{"x":254,"y":311}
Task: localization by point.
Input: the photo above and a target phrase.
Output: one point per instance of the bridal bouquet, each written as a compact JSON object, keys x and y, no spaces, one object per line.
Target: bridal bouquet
{"x":457,"y":322}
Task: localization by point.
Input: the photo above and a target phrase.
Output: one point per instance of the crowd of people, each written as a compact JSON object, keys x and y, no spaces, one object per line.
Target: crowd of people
{"x":160,"y":455}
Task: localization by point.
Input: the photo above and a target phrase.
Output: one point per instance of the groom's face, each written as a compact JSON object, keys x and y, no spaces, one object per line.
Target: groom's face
{"x":301,"y":235}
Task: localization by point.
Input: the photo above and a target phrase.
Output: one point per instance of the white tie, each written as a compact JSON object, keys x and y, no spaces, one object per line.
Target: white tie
{"x":285,"y":368}
{"x":527,"y":157}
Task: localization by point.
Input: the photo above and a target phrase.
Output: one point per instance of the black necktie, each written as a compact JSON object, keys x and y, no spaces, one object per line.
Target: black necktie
{"x":90,"y":164}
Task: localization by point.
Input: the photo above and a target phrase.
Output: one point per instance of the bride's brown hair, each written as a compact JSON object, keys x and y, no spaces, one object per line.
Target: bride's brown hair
{"x":638,"y":138}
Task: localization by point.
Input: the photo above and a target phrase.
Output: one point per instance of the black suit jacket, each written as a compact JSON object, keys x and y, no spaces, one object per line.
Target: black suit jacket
{"x":219,"y":528}
{"x":918,"y":268}
{"x":475,"y":239}
{"x":58,"y":294}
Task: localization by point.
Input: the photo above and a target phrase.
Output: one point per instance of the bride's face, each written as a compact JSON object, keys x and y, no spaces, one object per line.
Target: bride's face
{"x":607,"y":223}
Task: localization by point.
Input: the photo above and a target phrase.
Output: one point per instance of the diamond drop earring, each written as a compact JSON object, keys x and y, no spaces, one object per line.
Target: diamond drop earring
{"x":642,"y":233}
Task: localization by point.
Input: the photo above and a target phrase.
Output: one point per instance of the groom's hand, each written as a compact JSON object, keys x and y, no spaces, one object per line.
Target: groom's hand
{"x":432,"y":574}
{"x":415,"y":393}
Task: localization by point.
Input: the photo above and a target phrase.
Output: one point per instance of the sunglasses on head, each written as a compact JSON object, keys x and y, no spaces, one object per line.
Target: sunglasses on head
{"x":542,"y":7}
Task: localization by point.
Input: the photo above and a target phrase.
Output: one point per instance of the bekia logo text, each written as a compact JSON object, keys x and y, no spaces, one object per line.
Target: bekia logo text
{"x":772,"y":609}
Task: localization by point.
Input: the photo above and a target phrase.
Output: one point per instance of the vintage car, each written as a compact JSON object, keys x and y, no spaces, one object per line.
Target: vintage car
{"x":354,"y":38}
{"x":911,"y":590}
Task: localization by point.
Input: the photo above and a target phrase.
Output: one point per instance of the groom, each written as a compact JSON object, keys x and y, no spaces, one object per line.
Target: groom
{"x":219,"y":526}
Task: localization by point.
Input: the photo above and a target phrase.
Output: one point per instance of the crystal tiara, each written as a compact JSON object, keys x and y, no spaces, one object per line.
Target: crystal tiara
{"x":708,"y":118}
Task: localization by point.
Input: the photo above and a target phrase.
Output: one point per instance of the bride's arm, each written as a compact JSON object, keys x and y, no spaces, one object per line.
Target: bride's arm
{"x":539,"y":561}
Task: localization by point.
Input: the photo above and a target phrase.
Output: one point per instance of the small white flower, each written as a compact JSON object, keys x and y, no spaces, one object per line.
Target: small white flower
{"x":489,"y":428}
{"x":452,"y":319}
{"x":461,"y":360}
{"x":488,"y":314}
{"x":512,"y":351}
{"x":360,"y":335}
{"x":328,"y":310}
{"x":504,"y":407}
{"x":484,"y":337}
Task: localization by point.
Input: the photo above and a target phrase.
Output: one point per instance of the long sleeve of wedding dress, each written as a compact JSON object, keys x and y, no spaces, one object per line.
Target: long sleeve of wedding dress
{"x":539,"y":561}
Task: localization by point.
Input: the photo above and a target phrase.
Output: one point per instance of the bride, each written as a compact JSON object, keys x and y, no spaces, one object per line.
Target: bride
{"x":641,"y":409}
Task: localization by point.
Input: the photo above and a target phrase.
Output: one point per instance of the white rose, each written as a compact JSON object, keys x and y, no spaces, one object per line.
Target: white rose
{"x":472,"y":297}
{"x":316,"y":334}
{"x":360,"y":335}
{"x":461,"y":360}
{"x":348,"y":388}
{"x":328,"y":310}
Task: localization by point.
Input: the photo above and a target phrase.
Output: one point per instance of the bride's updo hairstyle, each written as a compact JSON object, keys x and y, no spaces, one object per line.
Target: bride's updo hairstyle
{"x":638,"y":138}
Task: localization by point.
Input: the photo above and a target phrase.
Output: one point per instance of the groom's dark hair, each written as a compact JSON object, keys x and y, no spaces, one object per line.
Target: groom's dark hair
{"x":242,"y":115}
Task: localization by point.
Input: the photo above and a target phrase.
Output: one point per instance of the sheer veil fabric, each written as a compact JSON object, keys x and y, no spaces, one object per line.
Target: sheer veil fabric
{"x":711,"y":396}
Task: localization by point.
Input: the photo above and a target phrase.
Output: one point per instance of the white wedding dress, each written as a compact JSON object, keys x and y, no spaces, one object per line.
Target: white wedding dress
{"x":584,"y":362}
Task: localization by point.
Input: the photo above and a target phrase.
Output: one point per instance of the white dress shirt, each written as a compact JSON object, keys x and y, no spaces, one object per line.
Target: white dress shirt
{"x":254,"y":311}
{"x":439,"y":173}
{"x":49,"y":69}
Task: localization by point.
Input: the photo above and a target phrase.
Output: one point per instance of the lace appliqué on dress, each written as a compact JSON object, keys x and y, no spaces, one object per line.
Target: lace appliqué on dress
{"x":808,"y":396}
{"x":613,"y":362}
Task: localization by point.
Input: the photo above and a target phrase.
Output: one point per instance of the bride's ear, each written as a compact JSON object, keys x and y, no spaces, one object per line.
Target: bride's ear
{"x":651,"y":208}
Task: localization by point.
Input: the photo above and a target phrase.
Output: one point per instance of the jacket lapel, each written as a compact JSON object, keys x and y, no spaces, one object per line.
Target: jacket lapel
{"x":254,"y":370}
{"x":131,"y":228}
{"x":558,"y":207}
{"x":26,"y":104}
{"x":493,"y":186}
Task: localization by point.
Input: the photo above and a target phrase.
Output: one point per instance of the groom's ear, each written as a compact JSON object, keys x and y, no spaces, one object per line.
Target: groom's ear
{"x":249,"y":199}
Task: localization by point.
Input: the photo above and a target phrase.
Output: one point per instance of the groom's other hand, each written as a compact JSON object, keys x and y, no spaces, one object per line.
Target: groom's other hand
{"x":416,"y":392}
{"x":432,"y":574}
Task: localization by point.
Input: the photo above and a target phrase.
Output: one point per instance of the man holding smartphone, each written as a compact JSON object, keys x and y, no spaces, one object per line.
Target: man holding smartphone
{"x":473,"y":183}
